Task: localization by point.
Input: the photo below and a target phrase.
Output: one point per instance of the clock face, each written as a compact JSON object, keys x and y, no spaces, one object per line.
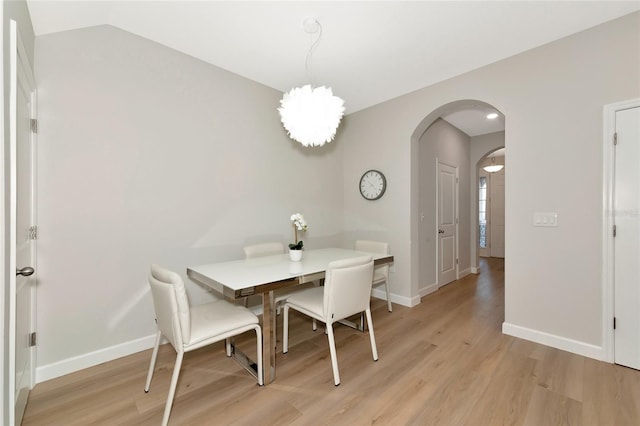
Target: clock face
{"x":372,"y":185}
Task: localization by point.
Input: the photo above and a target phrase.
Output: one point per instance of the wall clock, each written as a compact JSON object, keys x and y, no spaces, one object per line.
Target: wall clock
{"x":372,"y":185}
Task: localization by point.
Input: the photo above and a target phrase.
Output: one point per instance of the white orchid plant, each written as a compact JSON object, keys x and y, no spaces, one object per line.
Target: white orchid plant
{"x":299,"y":224}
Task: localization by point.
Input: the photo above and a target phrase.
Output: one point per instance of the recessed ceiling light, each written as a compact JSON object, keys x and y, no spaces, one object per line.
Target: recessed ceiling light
{"x":492,"y":116}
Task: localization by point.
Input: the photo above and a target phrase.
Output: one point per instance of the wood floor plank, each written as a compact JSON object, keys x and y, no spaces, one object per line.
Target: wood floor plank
{"x":611,"y":394}
{"x":561,"y":372}
{"x":443,"y":362}
{"x":506,"y":399}
{"x":551,"y":408}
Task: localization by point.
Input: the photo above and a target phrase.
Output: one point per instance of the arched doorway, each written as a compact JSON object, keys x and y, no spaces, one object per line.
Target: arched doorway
{"x":441,"y":137}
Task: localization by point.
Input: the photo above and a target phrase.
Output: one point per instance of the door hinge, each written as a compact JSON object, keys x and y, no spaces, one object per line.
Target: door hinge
{"x":32,"y":339}
{"x":456,"y":261}
{"x":34,"y":125}
{"x":615,"y":138}
{"x":615,"y":230}
{"x":614,"y":323}
{"x":33,"y":232}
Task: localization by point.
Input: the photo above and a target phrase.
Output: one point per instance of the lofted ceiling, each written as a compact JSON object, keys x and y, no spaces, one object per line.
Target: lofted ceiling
{"x":369,"y":52}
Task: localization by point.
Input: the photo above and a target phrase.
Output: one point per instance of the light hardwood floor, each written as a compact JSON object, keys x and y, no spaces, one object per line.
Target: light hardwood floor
{"x":443,"y":362}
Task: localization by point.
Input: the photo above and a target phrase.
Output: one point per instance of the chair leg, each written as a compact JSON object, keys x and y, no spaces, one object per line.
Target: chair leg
{"x":152,"y":365}
{"x":334,"y":356}
{"x":361,"y":321}
{"x":227,"y":345}
{"x":316,"y":284}
{"x":172,"y":388}
{"x":374,"y":349}
{"x":259,"y":361}
{"x":386,"y":284}
{"x":285,"y":330}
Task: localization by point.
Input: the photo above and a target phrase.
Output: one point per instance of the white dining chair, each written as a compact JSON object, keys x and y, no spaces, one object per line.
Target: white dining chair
{"x":259,"y":250}
{"x":380,"y":273}
{"x":264,"y":249}
{"x":346,"y":292}
{"x":188,"y":328}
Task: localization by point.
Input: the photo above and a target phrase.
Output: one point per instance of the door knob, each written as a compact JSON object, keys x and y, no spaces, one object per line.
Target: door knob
{"x":440,"y":231}
{"x":26,"y":271}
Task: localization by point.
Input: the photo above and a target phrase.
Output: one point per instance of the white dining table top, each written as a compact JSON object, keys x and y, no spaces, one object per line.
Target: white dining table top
{"x":245,"y":273}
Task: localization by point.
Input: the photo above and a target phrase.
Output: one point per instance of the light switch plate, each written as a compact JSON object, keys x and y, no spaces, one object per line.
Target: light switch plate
{"x":545,"y":219}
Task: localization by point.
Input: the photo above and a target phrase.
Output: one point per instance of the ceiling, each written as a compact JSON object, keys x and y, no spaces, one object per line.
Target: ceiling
{"x":369,"y":52}
{"x":473,"y":120}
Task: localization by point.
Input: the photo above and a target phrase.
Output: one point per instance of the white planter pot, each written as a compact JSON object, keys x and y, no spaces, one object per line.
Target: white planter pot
{"x":295,"y":255}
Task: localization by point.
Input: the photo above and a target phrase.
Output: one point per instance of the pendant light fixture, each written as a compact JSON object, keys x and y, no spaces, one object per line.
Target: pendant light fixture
{"x":311,"y":115}
{"x":493,"y":167}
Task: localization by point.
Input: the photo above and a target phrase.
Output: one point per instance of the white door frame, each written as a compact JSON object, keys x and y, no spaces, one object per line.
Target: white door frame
{"x":609,"y":128}
{"x":4,"y":384}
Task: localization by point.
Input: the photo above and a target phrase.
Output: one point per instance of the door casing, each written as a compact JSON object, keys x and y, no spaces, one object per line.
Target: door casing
{"x":608,"y":156}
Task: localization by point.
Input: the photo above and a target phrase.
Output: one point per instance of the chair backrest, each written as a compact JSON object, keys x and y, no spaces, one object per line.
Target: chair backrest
{"x":372,"y":246}
{"x":347,"y":287}
{"x":171,"y":305}
{"x":265,"y":249}
{"x":375,"y":247}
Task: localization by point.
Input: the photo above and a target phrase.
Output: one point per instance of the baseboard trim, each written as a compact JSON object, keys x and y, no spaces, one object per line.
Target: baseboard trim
{"x":464,"y":273}
{"x":80,"y":362}
{"x":558,"y":342}
{"x":428,"y":290}
{"x":381,"y":293}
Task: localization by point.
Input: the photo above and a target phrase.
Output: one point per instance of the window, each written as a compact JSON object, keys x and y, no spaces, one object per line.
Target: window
{"x":482,"y":211}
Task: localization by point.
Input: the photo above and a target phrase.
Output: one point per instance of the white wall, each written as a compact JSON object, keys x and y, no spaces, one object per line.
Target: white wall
{"x":552,"y":98}
{"x":148,"y":155}
{"x":375,"y":146}
{"x":443,"y":142}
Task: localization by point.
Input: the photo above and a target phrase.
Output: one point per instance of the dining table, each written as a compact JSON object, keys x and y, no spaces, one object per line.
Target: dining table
{"x":238,"y":279}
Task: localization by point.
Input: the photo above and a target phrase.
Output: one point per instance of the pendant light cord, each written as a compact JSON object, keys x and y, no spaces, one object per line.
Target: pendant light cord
{"x":312,"y":47}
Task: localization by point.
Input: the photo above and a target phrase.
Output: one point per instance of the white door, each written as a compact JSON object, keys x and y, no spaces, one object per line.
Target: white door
{"x":497,"y":214}
{"x":22,"y":239}
{"x":447,"y":223}
{"x":627,"y":239}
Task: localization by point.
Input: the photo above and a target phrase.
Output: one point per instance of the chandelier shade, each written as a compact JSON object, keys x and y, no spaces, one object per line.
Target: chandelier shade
{"x":311,"y":116}
{"x":493,"y":167}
